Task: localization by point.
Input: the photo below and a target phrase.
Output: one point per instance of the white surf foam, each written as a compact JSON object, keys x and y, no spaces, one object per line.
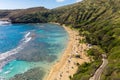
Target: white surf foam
{"x":4,"y":22}
{"x":7,"y":72}
{"x":26,"y":39}
{"x":27,"y":35}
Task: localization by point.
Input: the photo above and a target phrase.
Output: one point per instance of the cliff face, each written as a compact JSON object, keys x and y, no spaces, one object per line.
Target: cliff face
{"x":98,"y":20}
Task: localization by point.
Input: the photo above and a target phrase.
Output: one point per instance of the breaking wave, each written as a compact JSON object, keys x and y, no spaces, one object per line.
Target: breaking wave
{"x":4,"y":22}
{"x":4,"y":56}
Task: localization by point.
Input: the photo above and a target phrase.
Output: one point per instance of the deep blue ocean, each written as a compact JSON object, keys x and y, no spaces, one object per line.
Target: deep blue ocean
{"x":24,"y":47}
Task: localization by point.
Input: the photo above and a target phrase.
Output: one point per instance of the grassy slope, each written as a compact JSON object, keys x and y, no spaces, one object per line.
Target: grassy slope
{"x":99,"y":21}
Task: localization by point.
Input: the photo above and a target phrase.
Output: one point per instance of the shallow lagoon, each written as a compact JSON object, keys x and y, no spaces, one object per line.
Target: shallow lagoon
{"x":42,"y":45}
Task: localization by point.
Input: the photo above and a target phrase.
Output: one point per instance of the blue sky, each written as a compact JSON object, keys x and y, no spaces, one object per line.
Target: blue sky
{"x":20,"y":4}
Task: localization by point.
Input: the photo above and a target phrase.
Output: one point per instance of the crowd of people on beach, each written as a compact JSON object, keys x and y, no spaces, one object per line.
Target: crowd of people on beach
{"x":76,"y":56}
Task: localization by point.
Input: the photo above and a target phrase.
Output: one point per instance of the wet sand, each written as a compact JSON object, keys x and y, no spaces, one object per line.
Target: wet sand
{"x":67,"y":65}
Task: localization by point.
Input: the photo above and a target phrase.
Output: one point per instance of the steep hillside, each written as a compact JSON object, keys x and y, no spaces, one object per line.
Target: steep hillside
{"x":19,"y":14}
{"x":4,"y":13}
{"x":99,"y":21}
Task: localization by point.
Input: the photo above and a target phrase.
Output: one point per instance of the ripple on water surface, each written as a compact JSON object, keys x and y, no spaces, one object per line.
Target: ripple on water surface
{"x":38,"y":54}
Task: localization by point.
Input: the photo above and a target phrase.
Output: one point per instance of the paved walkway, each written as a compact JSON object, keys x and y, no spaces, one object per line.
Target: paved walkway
{"x":99,"y":71}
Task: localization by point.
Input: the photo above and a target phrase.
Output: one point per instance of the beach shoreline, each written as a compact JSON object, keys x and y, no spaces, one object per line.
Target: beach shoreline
{"x":66,"y":65}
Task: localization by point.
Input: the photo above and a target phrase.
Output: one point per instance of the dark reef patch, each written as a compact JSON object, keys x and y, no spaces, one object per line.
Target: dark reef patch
{"x":32,"y":74}
{"x":36,"y":52}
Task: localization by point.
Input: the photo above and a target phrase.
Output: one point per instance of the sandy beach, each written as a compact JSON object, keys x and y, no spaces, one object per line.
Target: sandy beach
{"x":67,"y":65}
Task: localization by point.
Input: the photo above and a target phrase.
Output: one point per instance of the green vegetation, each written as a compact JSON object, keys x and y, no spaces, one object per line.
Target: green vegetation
{"x":24,"y":15}
{"x":86,"y":70}
{"x":99,"y":21}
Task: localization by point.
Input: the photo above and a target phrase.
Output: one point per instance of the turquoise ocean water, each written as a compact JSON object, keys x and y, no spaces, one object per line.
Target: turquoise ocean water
{"x":29,"y":46}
